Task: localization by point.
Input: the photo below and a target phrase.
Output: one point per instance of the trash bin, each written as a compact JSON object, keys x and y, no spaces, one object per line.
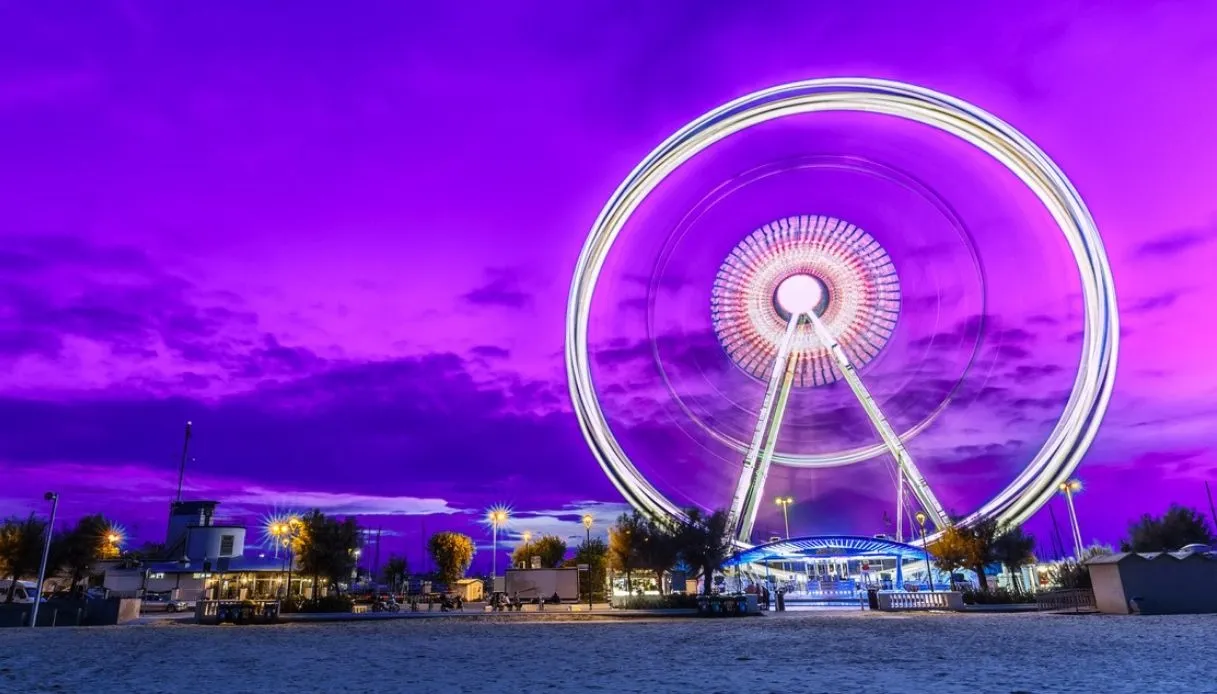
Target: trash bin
{"x":780,"y":600}
{"x":872,"y":598}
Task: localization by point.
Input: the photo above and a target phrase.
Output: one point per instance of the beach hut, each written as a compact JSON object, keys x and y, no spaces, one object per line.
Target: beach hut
{"x":469,"y":589}
{"x":1155,"y":582}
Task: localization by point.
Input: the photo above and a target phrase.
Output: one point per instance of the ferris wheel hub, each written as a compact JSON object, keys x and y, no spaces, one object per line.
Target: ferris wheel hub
{"x":801,"y":294}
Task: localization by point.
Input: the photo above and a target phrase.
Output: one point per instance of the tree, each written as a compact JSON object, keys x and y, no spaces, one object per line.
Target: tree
{"x":625,"y":545}
{"x":660,"y":548}
{"x":452,"y":553}
{"x":21,"y":550}
{"x":595,"y":555}
{"x":1178,"y":527}
{"x":394,"y":572}
{"x":952,"y":550}
{"x":326,"y":548}
{"x":1014,"y":548}
{"x":77,"y":550}
{"x":550,"y":548}
{"x":705,"y":543}
{"x":982,"y":548}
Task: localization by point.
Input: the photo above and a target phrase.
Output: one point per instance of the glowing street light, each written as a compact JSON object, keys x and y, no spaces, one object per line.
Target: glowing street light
{"x":1070,"y":488}
{"x":587,"y":525}
{"x":785,"y":502}
{"x":497,"y":517}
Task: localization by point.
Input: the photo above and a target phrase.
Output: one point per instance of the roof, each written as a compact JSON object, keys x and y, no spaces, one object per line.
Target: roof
{"x":1149,"y":556}
{"x":235,"y":565}
{"x":826,"y":547}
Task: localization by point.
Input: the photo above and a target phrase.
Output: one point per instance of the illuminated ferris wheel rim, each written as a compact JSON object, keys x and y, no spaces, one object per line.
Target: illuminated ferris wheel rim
{"x":1088,"y":401}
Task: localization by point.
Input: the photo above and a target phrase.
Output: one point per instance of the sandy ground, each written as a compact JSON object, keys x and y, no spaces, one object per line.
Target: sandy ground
{"x":792,"y":652}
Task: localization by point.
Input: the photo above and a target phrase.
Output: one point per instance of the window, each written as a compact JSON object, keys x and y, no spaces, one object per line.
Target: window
{"x":226,"y":542}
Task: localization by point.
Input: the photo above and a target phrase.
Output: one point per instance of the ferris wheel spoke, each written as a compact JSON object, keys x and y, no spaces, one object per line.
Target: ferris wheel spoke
{"x":751,"y":484}
{"x":905,"y":466}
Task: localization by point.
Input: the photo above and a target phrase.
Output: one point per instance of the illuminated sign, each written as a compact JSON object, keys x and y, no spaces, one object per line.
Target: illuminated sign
{"x":157,"y":574}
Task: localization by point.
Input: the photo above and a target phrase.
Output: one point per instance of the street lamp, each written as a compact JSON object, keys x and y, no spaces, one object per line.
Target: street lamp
{"x":587,"y":525}
{"x":785,"y":502}
{"x":527,"y":535}
{"x":929,"y":575}
{"x":497,"y":516}
{"x":291,"y":529}
{"x":46,"y":552}
{"x":1070,"y":488}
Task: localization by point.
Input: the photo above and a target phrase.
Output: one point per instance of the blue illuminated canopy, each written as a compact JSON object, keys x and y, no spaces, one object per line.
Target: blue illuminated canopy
{"x":826,"y":547}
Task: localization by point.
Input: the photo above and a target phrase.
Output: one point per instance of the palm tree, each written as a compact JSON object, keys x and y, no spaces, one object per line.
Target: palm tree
{"x":79,"y":548}
{"x":394,"y":572}
{"x":1014,"y":548}
{"x":705,"y":542}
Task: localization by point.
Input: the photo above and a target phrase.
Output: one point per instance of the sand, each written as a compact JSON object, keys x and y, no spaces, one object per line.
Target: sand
{"x":792,"y":652}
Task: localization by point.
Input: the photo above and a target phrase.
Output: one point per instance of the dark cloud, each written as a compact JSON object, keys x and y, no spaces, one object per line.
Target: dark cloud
{"x":502,"y":288}
{"x":1176,"y":242}
{"x":113,"y":296}
{"x":490,"y":352}
{"x":421,"y":426}
{"x":1154,"y":303}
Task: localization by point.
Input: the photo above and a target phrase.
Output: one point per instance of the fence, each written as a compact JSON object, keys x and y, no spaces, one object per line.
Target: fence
{"x":236,"y":611}
{"x":938,"y":600}
{"x":1066,"y":600}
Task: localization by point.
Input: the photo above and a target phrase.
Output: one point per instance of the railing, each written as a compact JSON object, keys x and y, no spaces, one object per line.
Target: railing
{"x":1066,"y":600}
{"x":939,"y":600}
{"x":236,"y":611}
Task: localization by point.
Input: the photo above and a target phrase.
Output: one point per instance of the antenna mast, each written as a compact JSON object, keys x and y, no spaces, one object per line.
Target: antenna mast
{"x":181,"y":471}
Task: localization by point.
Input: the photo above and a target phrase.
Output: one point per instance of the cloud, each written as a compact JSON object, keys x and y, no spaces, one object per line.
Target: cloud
{"x":256,"y":498}
{"x":502,"y":289}
{"x":490,"y":352}
{"x":1155,"y":302}
{"x":1176,"y":242}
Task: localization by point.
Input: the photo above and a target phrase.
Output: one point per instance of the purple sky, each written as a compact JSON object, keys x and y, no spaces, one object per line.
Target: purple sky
{"x":341,"y":241}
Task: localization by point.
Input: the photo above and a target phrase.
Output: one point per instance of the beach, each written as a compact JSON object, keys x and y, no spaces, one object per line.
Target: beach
{"x":791,"y":652}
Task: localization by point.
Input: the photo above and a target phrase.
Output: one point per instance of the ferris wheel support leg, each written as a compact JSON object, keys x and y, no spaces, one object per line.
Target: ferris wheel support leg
{"x":904,"y":462}
{"x":751,"y":485}
{"x":899,"y":505}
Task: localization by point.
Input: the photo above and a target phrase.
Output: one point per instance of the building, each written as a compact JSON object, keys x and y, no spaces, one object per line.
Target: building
{"x":1155,"y":582}
{"x":204,"y":558}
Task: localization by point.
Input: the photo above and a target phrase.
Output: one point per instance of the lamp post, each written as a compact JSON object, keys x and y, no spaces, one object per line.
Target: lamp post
{"x":291,"y":528}
{"x":527,"y":535}
{"x":112,"y":540}
{"x":925,"y":548}
{"x":46,"y":552}
{"x":1070,"y":488}
{"x":498,"y":518}
{"x":587,"y":525}
{"x":785,"y":502}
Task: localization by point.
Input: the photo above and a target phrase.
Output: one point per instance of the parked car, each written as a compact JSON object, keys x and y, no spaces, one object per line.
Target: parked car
{"x":24,"y":593}
{"x":155,"y":602}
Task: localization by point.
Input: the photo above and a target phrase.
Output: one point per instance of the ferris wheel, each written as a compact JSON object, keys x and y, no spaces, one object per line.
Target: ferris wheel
{"x":815,"y":321}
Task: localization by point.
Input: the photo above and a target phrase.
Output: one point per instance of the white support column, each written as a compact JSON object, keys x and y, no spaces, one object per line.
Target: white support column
{"x":751,"y":485}
{"x":904,"y":461}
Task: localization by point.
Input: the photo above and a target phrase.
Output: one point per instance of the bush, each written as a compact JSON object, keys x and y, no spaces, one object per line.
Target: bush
{"x":656,"y":602}
{"x":1000,"y":596}
{"x":329,"y":603}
